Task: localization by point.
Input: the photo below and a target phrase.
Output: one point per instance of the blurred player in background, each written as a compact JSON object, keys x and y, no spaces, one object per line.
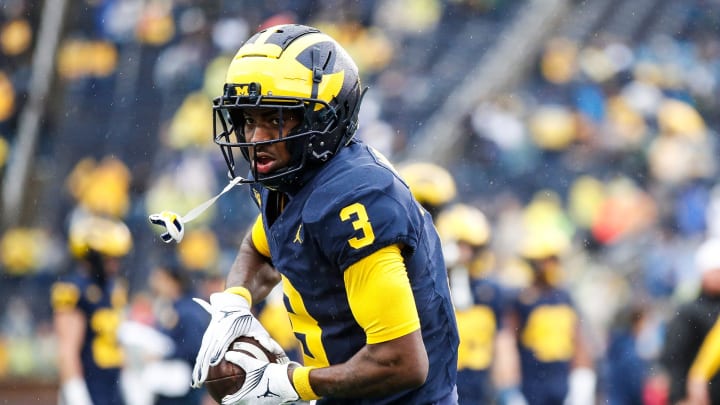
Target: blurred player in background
{"x":556,"y":366}
{"x":692,"y":322}
{"x":161,"y":337}
{"x":360,"y":261}
{"x":627,"y":374}
{"x":431,"y":185}
{"x":183,"y":321}
{"x":88,"y":306}
{"x":466,"y":232}
{"x":704,"y":369}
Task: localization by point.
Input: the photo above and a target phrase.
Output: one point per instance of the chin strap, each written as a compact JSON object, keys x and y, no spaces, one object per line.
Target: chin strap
{"x":174,"y":223}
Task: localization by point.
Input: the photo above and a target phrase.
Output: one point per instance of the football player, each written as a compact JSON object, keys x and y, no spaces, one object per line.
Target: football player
{"x":465,"y":232}
{"x":555,"y":363}
{"x":684,"y":354}
{"x":177,"y":317}
{"x":704,"y":368}
{"x":360,"y":261}
{"x":87,"y":308}
{"x":431,"y":185}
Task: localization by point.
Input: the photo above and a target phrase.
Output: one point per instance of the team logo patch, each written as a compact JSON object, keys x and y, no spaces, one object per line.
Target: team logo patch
{"x":298,"y":235}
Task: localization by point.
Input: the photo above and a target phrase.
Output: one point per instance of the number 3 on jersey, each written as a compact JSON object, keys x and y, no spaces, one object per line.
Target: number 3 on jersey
{"x":360,"y":222}
{"x":306,"y":328}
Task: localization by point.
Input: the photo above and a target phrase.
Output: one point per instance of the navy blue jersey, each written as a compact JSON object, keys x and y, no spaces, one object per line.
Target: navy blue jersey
{"x":478,"y":326}
{"x":184,"y":323}
{"x":546,"y":341}
{"x":101,"y":354}
{"x":353,"y":206}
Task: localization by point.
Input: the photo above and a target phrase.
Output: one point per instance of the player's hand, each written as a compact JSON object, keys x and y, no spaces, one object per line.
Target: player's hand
{"x":697,"y":392}
{"x":511,"y":396}
{"x":75,"y":391}
{"x":582,"y":387}
{"x":230,"y":319}
{"x":265,"y":383}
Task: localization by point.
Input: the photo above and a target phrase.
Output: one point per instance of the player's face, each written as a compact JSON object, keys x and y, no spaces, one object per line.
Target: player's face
{"x":267,"y":124}
{"x":111,"y":265}
{"x":466,"y":252}
{"x":162,"y":283}
{"x":547,"y":270}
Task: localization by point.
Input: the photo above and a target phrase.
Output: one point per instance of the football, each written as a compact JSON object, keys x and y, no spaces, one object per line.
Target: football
{"x":227,"y":378}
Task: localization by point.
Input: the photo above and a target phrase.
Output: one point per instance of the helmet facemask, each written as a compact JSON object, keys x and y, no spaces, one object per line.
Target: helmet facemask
{"x":314,"y":141}
{"x":229,"y":126}
{"x":288,"y":68}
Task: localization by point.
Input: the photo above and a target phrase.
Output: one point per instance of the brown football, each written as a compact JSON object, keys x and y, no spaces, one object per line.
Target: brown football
{"x":227,"y":378}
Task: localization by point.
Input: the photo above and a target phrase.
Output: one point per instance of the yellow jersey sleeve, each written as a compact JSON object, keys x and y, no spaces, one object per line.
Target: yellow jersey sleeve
{"x":64,"y":296}
{"x":380,"y":296}
{"x":707,"y":360}
{"x":259,"y":238}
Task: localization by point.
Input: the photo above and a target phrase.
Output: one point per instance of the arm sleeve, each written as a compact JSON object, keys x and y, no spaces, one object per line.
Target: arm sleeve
{"x":707,"y":360}
{"x":64,"y":296}
{"x":259,"y":238}
{"x":381,"y":297}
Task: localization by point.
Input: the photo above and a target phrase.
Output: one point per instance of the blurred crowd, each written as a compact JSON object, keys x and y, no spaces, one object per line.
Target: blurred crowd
{"x":609,"y":143}
{"x":615,"y":143}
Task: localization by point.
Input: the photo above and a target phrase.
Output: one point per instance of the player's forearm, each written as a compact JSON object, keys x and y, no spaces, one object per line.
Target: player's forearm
{"x":69,"y":366}
{"x":70,"y":330}
{"x":375,"y":370}
{"x":252,"y":271}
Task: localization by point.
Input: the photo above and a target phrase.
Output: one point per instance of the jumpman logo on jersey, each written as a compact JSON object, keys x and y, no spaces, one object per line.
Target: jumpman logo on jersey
{"x":268,"y":393}
{"x":298,"y":235}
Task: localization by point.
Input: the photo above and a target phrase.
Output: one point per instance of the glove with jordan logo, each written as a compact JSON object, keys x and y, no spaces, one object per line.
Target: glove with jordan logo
{"x":265,"y":383}
{"x":230,"y":319}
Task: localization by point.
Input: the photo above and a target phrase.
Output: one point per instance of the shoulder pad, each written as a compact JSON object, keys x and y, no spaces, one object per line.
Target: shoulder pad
{"x":64,"y":296}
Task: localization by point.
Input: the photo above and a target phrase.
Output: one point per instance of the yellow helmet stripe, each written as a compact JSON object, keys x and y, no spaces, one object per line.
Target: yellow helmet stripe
{"x":253,"y":60}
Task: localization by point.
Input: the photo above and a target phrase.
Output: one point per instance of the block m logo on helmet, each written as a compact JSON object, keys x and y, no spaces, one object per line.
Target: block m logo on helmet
{"x":243,"y":89}
{"x":293,"y":69}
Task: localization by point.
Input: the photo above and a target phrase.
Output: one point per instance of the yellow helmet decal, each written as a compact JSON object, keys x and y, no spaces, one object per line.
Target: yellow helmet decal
{"x":543,"y":243}
{"x":430,"y":183}
{"x":463,"y":223}
{"x":106,"y":236}
{"x":279,"y":72}
{"x":289,"y":66}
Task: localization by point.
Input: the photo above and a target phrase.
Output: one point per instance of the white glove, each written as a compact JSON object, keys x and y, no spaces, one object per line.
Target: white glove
{"x":230,"y":319}
{"x":511,"y":396}
{"x":144,"y":341}
{"x":75,"y":392}
{"x":170,"y":378}
{"x":265,"y":383}
{"x":582,"y":387}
